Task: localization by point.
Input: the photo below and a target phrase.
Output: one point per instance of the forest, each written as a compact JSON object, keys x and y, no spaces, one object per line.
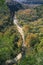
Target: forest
{"x":31,"y":21}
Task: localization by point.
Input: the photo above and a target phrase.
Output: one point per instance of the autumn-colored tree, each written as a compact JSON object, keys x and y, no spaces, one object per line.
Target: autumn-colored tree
{"x":32,"y":39}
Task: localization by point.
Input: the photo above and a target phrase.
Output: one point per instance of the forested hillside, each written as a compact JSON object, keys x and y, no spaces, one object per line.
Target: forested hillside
{"x":31,"y":20}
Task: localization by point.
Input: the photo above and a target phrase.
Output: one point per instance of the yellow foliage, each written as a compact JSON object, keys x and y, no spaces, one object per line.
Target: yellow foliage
{"x":30,"y":37}
{"x":26,"y":28}
{"x":19,"y":43}
{"x":27,"y":11}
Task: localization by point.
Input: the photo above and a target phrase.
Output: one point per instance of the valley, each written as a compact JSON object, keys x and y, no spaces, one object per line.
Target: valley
{"x":28,"y":29}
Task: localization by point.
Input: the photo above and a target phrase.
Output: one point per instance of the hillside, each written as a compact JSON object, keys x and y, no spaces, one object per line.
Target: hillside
{"x":30,"y":14}
{"x":31,"y":20}
{"x":30,"y":1}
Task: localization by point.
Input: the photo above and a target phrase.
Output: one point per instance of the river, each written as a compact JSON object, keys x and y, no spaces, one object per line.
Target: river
{"x":20,"y":55}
